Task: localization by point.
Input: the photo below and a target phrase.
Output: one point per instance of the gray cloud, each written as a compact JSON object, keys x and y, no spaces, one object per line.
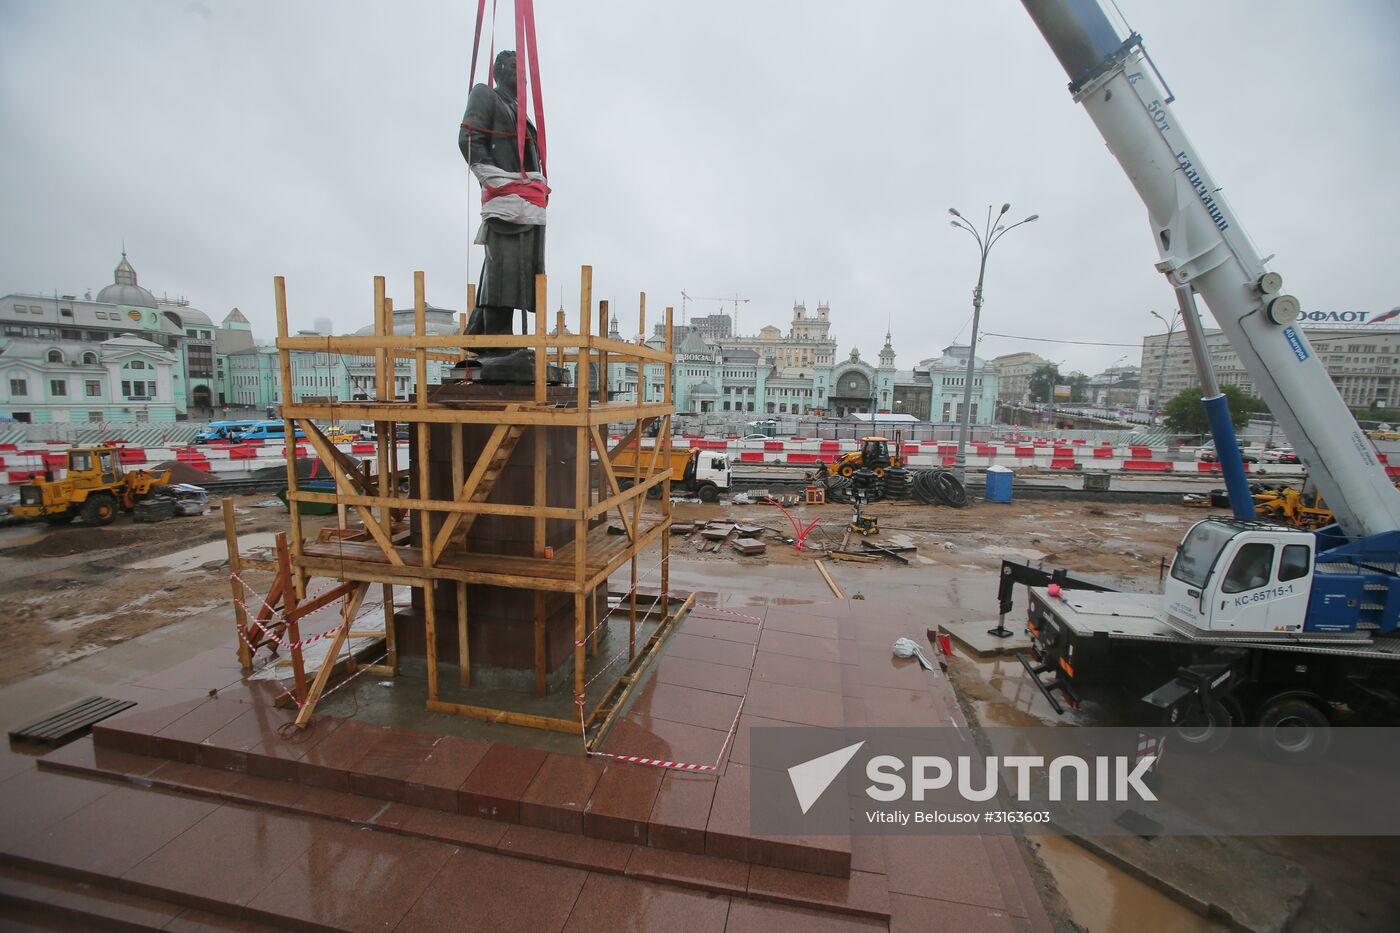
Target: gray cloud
{"x":773,"y":150}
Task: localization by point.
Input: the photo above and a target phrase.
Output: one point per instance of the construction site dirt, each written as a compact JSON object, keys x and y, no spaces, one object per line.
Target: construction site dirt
{"x":73,"y":590}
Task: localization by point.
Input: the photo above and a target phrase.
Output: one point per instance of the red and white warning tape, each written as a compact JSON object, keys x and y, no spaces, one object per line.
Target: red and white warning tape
{"x":273,"y":638}
{"x":655,"y":762}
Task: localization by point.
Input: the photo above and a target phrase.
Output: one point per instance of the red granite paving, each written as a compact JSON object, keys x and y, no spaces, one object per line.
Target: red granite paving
{"x":684,"y":868}
{"x":720,"y":678}
{"x":620,"y":806}
{"x":310,"y":827}
{"x":559,"y":792}
{"x":608,"y":902}
{"x":495,"y":786}
{"x":436,"y":780}
{"x":681,"y":811}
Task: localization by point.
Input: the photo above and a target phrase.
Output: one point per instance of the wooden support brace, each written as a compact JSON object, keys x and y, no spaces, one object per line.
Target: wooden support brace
{"x":348,"y":613}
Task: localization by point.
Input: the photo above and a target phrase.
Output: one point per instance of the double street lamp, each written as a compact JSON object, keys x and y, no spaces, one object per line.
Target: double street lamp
{"x":986,"y":238}
{"x":1162,"y":370}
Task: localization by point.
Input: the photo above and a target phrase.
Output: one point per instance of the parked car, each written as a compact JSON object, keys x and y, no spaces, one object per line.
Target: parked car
{"x":1281,"y":455}
{"x":1207,"y":454}
{"x":367,"y":433}
{"x":223,"y":431}
{"x":269,"y":431}
{"x":338,"y":435}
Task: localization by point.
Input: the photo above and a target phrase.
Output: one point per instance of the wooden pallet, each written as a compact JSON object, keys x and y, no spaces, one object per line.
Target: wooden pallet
{"x":70,"y":722}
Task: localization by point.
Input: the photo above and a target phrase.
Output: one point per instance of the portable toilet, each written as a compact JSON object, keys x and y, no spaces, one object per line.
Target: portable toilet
{"x":998,"y":484}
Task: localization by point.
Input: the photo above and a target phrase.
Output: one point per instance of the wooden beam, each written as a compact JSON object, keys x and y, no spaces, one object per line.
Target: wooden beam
{"x":605,"y":461}
{"x":826,"y":575}
{"x":459,"y":478}
{"x":289,"y":605}
{"x":348,"y":465}
{"x":343,"y":486}
{"x":385,"y":435}
{"x":235,"y":568}
{"x":539,"y":496}
{"x":348,"y":613}
{"x":284,"y":365}
{"x":553,"y":416}
{"x":506,"y":717}
{"x":485,"y":464}
{"x":320,"y":602}
{"x":430,"y":624}
{"x":436,"y":505}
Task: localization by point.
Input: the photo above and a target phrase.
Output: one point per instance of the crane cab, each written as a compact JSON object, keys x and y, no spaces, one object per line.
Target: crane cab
{"x":1256,"y":577}
{"x":1237,"y":576}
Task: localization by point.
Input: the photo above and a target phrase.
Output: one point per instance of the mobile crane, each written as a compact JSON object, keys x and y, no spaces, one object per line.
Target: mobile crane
{"x":1258,"y":624}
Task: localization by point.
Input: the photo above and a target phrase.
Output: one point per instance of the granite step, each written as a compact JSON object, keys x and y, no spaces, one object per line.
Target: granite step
{"x":862,"y":894}
{"x":613,"y":801}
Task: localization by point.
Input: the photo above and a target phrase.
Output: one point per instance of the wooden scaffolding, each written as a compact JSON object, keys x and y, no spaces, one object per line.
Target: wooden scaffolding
{"x":380,"y":552}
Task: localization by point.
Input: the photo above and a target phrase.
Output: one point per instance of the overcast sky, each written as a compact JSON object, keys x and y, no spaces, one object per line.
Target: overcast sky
{"x":777,"y":151}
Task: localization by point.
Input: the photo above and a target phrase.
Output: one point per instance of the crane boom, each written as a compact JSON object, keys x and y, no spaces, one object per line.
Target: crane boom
{"x":1203,"y":247}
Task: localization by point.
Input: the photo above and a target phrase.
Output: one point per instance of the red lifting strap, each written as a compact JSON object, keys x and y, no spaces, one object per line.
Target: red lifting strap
{"x":527,"y":72}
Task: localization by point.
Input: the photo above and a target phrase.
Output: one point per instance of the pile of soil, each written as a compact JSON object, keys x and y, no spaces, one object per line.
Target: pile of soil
{"x":184,"y":473}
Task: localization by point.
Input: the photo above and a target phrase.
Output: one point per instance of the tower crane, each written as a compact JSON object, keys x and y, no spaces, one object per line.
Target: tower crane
{"x":736,"y":301}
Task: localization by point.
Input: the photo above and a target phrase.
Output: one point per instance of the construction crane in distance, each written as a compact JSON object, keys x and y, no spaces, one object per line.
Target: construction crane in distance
{"x":736,"y":301}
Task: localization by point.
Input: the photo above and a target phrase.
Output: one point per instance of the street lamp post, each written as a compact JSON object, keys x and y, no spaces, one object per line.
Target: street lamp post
{"x":1162,"y":370}
{"x":986,"y":238}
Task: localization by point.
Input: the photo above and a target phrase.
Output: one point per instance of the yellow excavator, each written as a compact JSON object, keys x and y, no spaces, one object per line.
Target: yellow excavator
{"x":95,"y":488}
{"x":874,"y":454}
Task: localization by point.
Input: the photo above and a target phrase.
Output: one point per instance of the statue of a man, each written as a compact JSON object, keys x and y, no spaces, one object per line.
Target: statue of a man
{"x":513,"y":216}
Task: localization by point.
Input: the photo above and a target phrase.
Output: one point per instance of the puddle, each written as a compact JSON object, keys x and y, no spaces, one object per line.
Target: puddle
{"x":1102,"y":899}
{"x":58,"y":626}
{"x":74,"y":654}
{"x":1160,"y":518}
{"x":196,"y":557}
{"x":1023,"y":553}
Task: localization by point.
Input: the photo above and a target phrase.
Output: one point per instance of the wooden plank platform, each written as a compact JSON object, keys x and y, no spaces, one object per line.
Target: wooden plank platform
{"x":361,"y":560}
{"x":71,"y":721}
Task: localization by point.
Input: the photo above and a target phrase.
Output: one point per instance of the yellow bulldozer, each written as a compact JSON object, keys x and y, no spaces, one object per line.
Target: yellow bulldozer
{"x":95,"y":488}
{"x":1289,"y":505}
{"x":874,"y":454}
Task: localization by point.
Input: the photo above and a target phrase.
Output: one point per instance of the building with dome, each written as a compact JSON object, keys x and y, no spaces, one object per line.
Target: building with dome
{"x":55,"y":351}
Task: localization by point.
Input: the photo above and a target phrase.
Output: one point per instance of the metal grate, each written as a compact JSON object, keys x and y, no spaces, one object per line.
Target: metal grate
{"x":71,"y":721}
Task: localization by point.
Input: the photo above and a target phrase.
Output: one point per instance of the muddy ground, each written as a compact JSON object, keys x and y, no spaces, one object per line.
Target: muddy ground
{"x":72,"y":590}
{"x":1111,"y":540}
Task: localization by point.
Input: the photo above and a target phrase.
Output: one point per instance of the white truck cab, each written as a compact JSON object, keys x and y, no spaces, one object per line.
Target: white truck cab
{"x":1238,"y":576}
{"x":707,"y":474}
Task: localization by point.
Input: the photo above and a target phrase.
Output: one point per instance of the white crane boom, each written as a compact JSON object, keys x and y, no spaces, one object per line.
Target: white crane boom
{"x":1204,"y":248}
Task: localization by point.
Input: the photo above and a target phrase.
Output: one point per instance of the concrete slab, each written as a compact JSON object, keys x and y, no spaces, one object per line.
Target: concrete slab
{"x":974,"y":636}
{"x":1219,"y":877}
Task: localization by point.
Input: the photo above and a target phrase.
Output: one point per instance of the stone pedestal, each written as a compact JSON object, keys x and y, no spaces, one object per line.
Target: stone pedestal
{"x":500,"y":620}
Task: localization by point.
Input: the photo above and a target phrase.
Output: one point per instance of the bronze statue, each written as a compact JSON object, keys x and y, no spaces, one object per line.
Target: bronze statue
{"x":513,"y":218}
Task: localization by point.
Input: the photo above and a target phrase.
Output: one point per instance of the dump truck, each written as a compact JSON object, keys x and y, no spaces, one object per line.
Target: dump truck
{"x":95,"y":487}
{"x":700,"y":473}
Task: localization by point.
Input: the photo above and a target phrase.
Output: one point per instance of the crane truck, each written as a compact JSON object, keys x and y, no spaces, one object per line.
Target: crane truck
{"x":1287,"y":629}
